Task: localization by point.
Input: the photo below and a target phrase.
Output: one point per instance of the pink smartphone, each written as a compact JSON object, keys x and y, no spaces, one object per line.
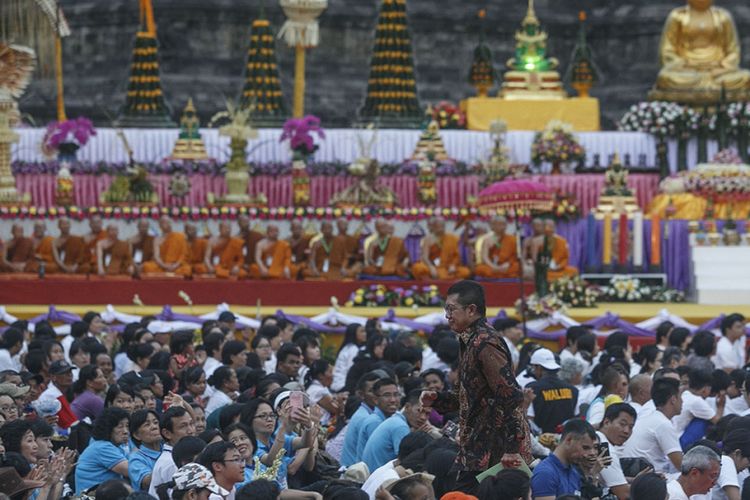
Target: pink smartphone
{"x":296,"y":399}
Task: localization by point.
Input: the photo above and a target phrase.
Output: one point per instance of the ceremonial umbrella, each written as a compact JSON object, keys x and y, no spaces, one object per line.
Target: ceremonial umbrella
{"x":516,"y":195}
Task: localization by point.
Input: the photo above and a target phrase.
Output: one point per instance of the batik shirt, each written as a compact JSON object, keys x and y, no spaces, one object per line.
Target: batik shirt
{"x":488,"y":399}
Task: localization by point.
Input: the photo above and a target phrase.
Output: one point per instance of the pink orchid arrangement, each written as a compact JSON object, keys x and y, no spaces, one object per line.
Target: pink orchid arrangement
{"x":77,"y":131}
{"x":299,"y":132}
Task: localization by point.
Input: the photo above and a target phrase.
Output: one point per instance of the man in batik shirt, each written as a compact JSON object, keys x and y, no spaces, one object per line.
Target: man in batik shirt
{"x":492,"y":424}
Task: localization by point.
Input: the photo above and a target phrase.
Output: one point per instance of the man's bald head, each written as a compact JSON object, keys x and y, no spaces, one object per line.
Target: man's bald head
{"x":39,"y":229}
{"x":640,"y":388}
{"x":191,"y":231}
{"x":96,"y":223}
{"x":17,"y":231}
{"x":113,"y":231}
{"x":225,"y":230}
{"x":63,"y":224}
{"x":165,"y":224}
{"x":342,"y":225}
{"x":326,"y":228}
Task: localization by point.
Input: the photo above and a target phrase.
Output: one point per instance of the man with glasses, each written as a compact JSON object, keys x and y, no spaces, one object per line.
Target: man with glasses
{"x":489,"y":401}
{"x":387,"y":404}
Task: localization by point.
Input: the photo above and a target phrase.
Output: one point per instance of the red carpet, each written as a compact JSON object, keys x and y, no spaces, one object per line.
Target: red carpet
{"x":155,"y":292}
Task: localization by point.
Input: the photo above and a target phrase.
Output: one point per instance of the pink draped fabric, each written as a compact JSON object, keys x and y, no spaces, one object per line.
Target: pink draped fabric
{"x":452,"y":191}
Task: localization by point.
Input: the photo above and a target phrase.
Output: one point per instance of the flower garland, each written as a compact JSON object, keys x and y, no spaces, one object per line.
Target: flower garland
{"x":449,"y":116}
{"x":574,"y":292}
{"x":557,"y":144}
{"x":565,"y":206}
{"x":394,"y":296}
{"x":629,"y":289}
{"x":273,"y":169}
{"x":657,"y":118}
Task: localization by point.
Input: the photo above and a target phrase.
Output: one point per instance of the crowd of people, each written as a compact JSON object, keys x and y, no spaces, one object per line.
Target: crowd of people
{"x":307,"y":253}
{"x":471,"y":411}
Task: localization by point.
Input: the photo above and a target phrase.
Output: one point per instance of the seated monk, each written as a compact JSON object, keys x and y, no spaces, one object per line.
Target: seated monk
{"x":142,"y":245}
{"x":349,"y":245}
{"x":299,"y":242}
{"x":69,"y":250}
{"x":198,"y":249}
{"x":273,"y":257}
{"x":96,"y":225}
{"x":114,"y":256}
{"x":386,"y":254}
{"x":498,"y":253}
{"x":43,"y":254}
{"x":171,"y":252}
{"x":225,"y":254}
{"x":558,"y":251}
{"x":440,"y":256}
{"x":537,"y":229}
{"x":18,"y":251}
{"x":250,"y":240}
{"x":328,"y":255}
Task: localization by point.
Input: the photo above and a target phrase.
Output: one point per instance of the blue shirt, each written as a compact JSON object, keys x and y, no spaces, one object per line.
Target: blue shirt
{"x":288,"y":458}
{"x":551,"y":479}
{"x":141,"y":464}
{"x":368,"y":427}
{"x":96,"y":462}
{"x":349,"y":454}
{"x":382,"y":447}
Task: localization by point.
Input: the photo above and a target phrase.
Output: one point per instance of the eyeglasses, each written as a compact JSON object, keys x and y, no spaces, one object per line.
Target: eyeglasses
{"x":265,"y":346}
{"x":237,"y":460}
{"x":266,"y":416}
{"x":389,"y":395}
{"x":452,"y":309}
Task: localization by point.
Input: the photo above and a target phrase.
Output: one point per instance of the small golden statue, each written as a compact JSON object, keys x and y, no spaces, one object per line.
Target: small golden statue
{"x":532,"y":74}
{"x":430,"y":145}
{"x":700,"y":56}
{"x":616,"y":196}
{"x":190,"y":144}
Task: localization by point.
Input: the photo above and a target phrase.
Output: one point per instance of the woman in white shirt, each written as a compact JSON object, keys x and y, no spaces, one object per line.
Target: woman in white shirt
{"x":354,"y":338}
{"x":226,"y":386}
{"x":736,"y":458}
{"x":318,"y":379}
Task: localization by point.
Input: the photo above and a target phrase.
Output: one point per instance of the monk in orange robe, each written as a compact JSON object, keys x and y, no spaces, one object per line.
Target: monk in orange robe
{"x":96,"y":234}
{"x":440,"y":256}
{"x":327,"y":255}
{"x":299,"y":243}
{"x":386,"y":254}
{"x":69,"y":250}
{"x":273,"y":257}
{"x":43,"y":251}
{"x":250,"y":238}
{"x":18,"y":251}
{"x":558,"y":252}
{"x":225,"y":254}
{"x":171,"y":252}
{"x":114,"y":256}
{"x":537,"y":228}
{"x":198,"y":249}
{"x":498,"y":253}
{"x":348,"y":245}
{"x":142,"y":245}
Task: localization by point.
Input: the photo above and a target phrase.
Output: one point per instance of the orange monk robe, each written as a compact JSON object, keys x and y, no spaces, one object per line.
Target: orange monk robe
{"x":250,"y":240}
{"x":501,"y":252}
{"x":19,"y":251}
{"x":276,"y":257}
{"x":73,"y":252}
{"x":197,"y":249}
{"x":91,"y":241}
{"x":560,"y":255}
{"x":329,"y":257}
{"x":118,"y":259}
{"x":226,"y":256}
{"x":144,"y":250}
{"x":300,"y":253}
{"x":388,"y":261}
{"x":43,"y":253}
{"x":444,"y":255}
{"x":174,"y":249}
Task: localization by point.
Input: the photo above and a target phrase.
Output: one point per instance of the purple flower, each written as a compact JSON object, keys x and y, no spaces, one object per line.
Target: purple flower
{"x":299,"y":132}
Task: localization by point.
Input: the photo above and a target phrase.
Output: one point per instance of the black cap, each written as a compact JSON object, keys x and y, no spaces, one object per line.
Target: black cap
{"x":227,"y":317}
{"x":132,"y":379}
{"x":59,"y":367}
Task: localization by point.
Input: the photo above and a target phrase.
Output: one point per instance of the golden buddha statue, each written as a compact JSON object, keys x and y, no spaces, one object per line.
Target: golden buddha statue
{"x":700,"y":56}
{"x":189,"y":145}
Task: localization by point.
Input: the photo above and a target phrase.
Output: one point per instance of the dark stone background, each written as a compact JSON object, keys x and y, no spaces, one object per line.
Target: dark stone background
{"x":203,"y":46}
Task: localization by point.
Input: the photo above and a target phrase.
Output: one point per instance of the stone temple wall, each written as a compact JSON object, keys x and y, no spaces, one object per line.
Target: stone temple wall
{"x":203,"y":46}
